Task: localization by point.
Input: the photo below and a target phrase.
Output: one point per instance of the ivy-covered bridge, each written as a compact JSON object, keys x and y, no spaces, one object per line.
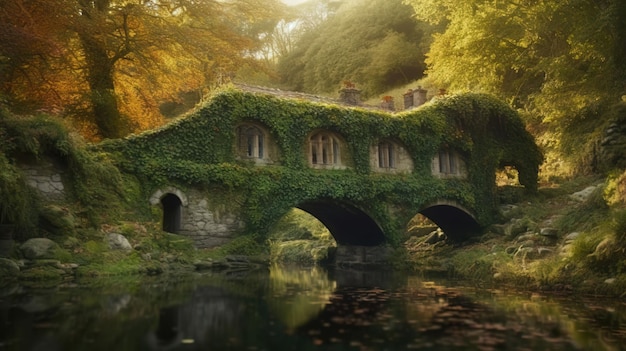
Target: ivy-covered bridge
{"x":241,"y":161}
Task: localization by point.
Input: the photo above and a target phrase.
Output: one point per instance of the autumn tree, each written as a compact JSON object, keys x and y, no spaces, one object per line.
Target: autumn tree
{"x":558,"y":60}
{"x":123,"y":57}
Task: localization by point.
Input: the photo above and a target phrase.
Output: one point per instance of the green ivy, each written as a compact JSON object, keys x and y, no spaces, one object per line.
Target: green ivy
{"x":199,"y":150}
{"x":94,"y":181}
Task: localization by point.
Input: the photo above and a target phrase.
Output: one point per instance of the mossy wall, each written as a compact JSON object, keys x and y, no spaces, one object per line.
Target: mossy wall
{"x":199,"y":151}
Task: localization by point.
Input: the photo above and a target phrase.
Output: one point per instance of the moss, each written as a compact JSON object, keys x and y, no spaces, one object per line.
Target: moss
{"x":198,"y":151}
{"x":93,"y":180}
{"x":43,"y":273}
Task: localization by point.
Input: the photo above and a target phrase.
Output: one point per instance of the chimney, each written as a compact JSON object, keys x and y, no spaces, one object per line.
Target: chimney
{"x":349,"y":94}
{"x":408,"y":99}
{"x":387,"y":103}
{"x":419,"y":96}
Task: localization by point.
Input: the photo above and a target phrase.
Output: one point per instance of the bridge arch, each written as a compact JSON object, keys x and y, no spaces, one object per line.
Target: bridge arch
{"x":457,"y":222}
{"x":349,"y":225}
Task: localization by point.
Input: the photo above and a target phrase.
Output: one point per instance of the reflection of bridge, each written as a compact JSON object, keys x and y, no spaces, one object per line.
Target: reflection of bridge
{"x":241,"y":161}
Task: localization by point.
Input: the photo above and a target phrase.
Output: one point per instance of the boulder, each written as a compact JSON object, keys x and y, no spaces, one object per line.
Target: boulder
{"x":57,"y":220}
{"x":203,"y":265}
{"x":549,"y":232}
{"x":584,"y":194}
{"x":517,"y":227}
{"x":39,"y":248}
{"x":8,"y":267}
{"x":117,"y":242}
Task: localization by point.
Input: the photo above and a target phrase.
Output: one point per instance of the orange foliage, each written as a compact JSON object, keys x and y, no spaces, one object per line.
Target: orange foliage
{"x":155,"y":53}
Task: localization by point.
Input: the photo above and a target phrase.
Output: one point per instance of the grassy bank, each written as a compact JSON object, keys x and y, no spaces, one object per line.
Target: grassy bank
{"x":567,"y":238}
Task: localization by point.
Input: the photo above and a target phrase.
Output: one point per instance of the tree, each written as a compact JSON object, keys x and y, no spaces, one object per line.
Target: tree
{"x":557,"y":60}
{"x":536,"y":54}
{"x":126,"y":56}
{"x":374,"y":43}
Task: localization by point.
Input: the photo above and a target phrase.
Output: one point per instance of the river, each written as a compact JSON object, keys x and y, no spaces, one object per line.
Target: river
{"x":302,"y":309}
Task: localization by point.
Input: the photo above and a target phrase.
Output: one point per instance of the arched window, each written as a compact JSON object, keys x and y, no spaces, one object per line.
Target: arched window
{"x":386,"y":155}
{"x":251,"y":141}
{"x":172,"y":213}
{"x":324,"y":149}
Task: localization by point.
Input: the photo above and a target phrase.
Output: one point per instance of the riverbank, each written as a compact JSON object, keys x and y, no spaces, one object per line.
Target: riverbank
{"x":569,"y":237}
{"x":566,"y":239}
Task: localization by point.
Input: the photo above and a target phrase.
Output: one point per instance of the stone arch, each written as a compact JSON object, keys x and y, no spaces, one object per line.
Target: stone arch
{"x":254,"y":143}
{"x":390,"y":156}
{"x":155,"y":199}
{"x":172,"y":201}
{"x":326,"y":149}
{"x":456,"y":221}
{"x":448,"y":163}
{"x":348,"y":224}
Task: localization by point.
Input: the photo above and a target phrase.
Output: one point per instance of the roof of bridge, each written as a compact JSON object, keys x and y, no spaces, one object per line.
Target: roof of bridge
{"x":302,"y":96}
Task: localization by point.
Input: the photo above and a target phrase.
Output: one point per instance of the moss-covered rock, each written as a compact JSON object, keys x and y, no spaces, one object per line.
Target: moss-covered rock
{"x":39,"y":248}
{"x":45,"y":272}
{"x":8,"y":268}
{"x":57,"y":220}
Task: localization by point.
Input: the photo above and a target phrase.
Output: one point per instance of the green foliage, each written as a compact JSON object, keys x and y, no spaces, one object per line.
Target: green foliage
{"x":586,"y":216}
{"x":374,"y":43}
{"x":247,"y":245}
{"x":619,"y":225}
{"x":94,"y":181}
{"x":560,"y":61}
{"x":199,"y":150}
{"x":299,"y":238}
{"x":18,"y":201}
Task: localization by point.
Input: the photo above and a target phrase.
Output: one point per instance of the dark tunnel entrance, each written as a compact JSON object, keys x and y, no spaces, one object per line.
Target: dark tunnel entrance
{"x":172,"y":213}
{"x":455,"y":222}
{"x":347,"y":224}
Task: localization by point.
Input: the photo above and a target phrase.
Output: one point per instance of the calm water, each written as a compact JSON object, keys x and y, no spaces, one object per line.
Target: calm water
{"x":302,"y":309}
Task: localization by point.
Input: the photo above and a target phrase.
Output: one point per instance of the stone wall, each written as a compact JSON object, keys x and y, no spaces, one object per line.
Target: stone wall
{"x":207,"y":220}
{"x":362,"y":256}
{"x":46,"y":177}
{"x":403,"y":162}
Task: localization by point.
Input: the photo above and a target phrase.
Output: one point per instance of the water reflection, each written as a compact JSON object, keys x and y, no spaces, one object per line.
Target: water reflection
{"x":303,"y":309}
{"x":297,"y":295}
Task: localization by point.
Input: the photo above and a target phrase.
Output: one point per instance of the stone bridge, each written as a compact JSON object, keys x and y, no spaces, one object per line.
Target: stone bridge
{"x":238,"y":163}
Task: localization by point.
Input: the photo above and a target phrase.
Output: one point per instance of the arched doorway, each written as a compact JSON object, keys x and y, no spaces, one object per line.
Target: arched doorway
{"x":172,"y":213}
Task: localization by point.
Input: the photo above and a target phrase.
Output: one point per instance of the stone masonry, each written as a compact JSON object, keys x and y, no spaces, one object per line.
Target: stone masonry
{"x":207,"y":221}
{"x":46,"y":178}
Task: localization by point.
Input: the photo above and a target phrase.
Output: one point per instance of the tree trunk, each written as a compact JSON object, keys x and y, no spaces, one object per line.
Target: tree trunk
{"x":108,"y":119}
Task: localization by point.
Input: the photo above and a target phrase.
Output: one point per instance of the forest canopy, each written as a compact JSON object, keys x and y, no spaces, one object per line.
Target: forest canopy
{"x":109,"y":64}
{"x":375,"y":43}
{"x":560,"y":62}
{"x":113,"y":67}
